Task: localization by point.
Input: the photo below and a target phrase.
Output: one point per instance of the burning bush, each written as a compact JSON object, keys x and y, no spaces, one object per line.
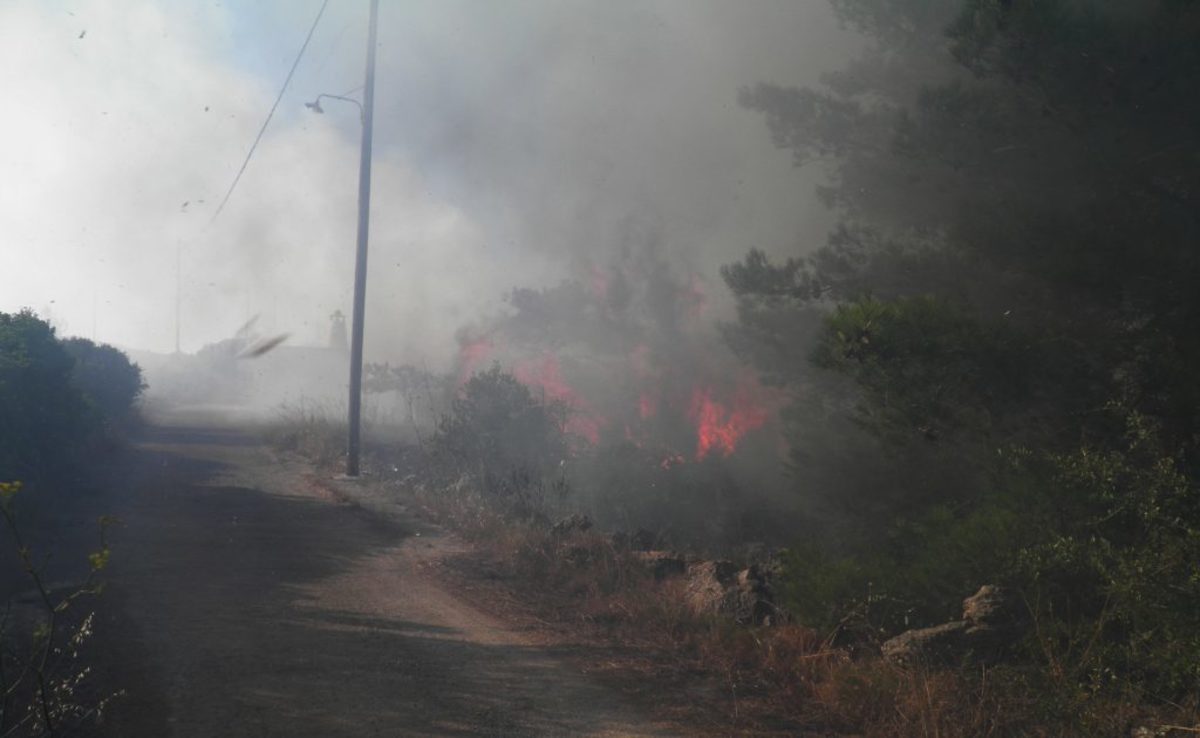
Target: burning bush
{"x":666,"y":429}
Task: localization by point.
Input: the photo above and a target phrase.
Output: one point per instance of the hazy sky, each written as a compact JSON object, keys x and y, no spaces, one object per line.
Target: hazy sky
{"x":516,"y":143}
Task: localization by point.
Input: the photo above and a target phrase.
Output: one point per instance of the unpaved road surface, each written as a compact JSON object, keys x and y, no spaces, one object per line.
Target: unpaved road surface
{"x":245,"y":600}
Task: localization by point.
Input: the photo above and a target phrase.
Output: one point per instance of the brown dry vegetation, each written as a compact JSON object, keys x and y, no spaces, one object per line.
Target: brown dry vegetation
{"x":584,"y":592}
{"x":309,"y":432}
{"x":782,"y":680}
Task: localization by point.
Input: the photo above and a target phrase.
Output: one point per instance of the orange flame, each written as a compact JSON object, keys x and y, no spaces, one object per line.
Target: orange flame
{"x":599,"y":283}
{"x":546,"y":374}
{"x":471,"y":354}
{"x":647,"y":406}
{"x":719,"y":428}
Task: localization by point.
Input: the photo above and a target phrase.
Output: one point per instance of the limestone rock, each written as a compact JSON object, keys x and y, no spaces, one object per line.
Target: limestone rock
{"x":718,"y":588}
{"x":941,"y":642}
{"x":754,"y":603}
{"x":993,"y":608}
{"x":708,"y":583}
{"x":992,"y":621}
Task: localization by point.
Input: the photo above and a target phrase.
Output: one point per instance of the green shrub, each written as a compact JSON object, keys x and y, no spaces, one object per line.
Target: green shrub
{"x":43,"y":416}
{"x":1115,"y":582}
{"x":56,"y":394}
{"x":499,"y":433}
{"x":108,"y":379}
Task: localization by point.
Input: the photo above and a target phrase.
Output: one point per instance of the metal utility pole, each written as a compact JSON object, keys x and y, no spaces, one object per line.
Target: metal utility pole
{"x":353,"y":442}
{"x":178,"y":279}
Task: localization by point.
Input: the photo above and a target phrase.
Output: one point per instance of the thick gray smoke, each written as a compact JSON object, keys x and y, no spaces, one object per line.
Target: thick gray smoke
{"x":517,"y":144}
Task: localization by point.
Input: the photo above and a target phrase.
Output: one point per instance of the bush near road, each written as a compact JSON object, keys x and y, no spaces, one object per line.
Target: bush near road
{"x":56,"y":395}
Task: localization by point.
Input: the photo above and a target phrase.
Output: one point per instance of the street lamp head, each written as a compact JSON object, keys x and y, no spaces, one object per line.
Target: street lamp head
{"x":315,"y":105}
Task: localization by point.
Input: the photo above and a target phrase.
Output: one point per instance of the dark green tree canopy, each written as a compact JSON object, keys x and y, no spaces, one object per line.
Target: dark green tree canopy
{"x":56,"y":394}
{"x":106,"y":376}
{"x":42,"y":415}
{"x":1040,"y":166}
{"x":1010,"y":304}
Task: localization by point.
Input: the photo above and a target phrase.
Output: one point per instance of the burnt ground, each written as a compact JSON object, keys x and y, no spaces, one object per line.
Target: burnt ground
{"x":245,"y":600}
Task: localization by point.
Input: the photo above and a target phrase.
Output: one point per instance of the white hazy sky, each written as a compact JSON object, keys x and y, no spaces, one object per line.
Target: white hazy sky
{"x":515,"y":143}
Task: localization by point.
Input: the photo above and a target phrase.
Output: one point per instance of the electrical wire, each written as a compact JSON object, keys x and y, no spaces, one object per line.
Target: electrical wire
{"x":249,"y":154}
{"x":331,"y":50}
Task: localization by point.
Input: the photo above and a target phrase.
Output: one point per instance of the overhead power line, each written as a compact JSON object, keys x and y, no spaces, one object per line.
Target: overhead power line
{"x":249,"y":154}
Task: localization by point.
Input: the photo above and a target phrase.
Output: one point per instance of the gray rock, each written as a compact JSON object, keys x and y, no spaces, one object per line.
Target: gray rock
{"x":708,"y":583}
{"x":1151,"y":731}
{"x":993,"y":619}
{"x":718,"y":588}
{"x":754,"y":603}
{"x":998,"y":620}
{"x":924,"y":645}
{"x":993,"y":608}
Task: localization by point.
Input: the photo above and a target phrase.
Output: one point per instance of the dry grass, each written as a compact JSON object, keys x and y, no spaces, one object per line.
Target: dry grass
{"x":311,"y":431}
{"x":316,"y":430}
{"x":783,"y":680}
{"x":706,"y":672}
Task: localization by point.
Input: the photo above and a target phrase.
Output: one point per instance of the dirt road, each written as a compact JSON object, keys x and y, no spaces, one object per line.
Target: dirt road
{"x":244,"y":601}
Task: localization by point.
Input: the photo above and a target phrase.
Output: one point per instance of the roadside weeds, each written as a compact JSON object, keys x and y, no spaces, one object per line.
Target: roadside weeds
{"x":594,"y":599}
{"x":590,"y":597}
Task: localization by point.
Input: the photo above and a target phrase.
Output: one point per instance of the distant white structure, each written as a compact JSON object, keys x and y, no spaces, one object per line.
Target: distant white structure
{"x":337,"y":332}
